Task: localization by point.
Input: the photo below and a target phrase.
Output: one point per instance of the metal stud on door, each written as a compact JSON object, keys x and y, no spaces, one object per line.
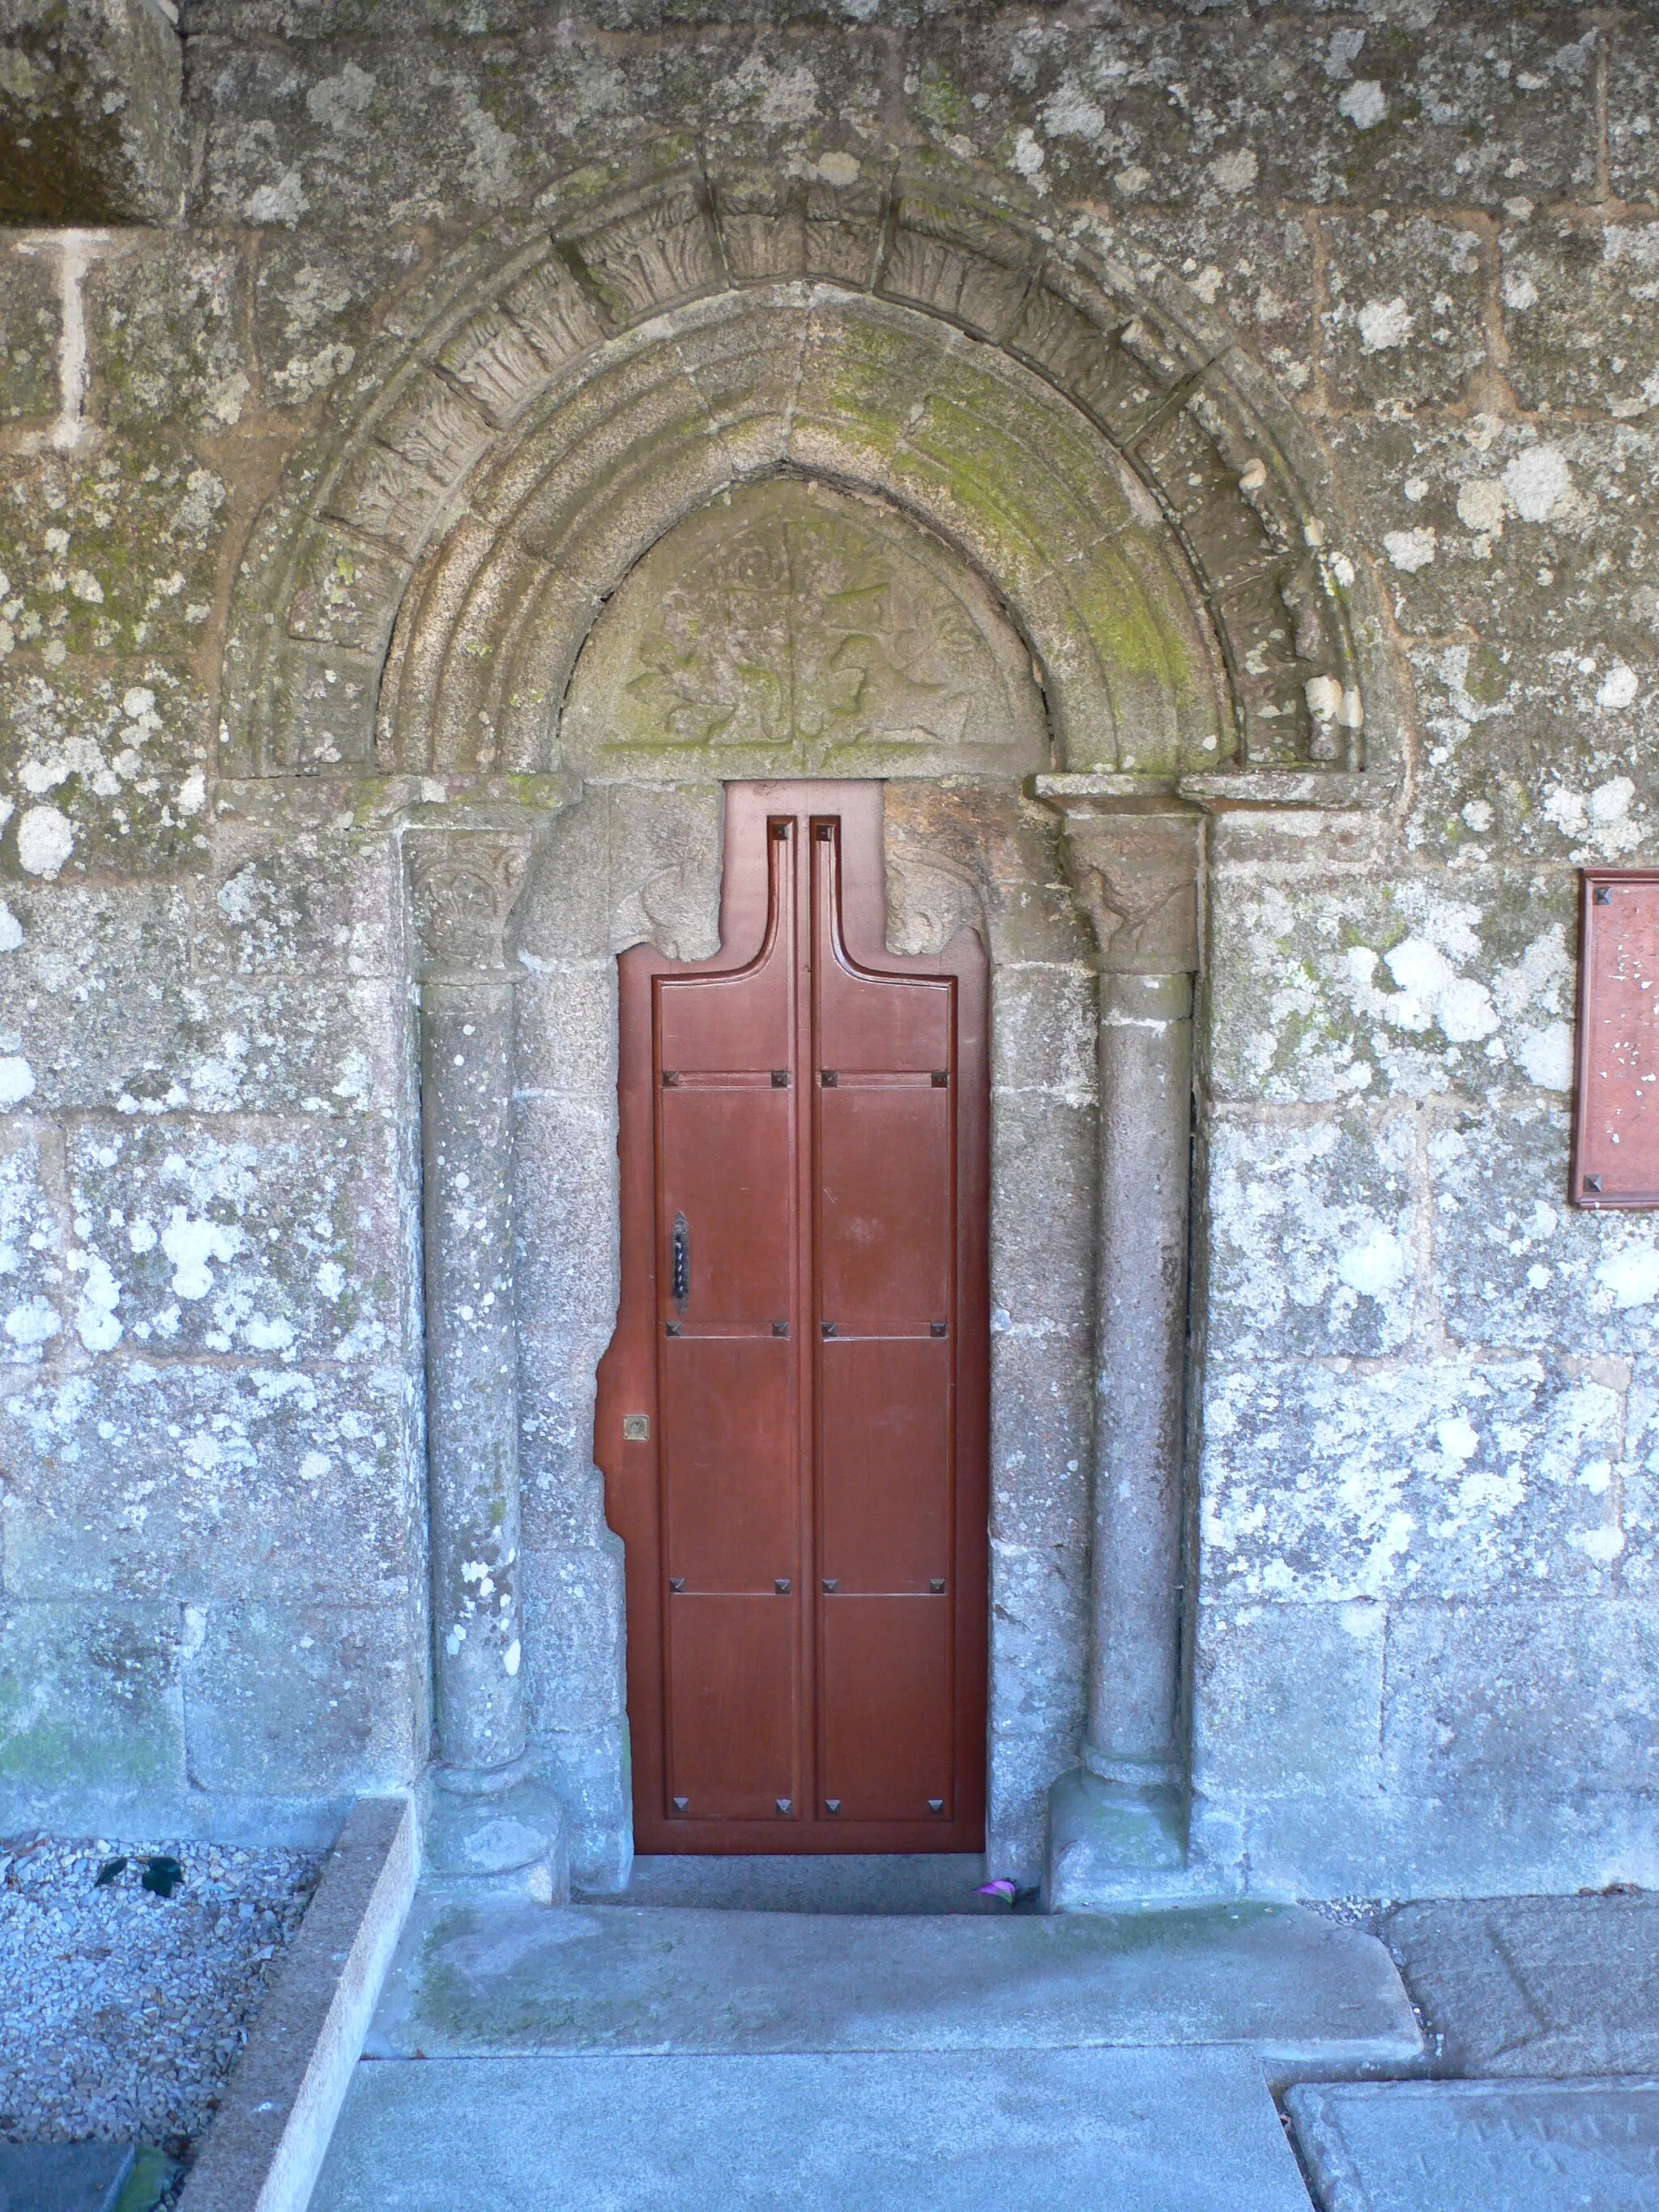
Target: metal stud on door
{"x":799,"y":1478}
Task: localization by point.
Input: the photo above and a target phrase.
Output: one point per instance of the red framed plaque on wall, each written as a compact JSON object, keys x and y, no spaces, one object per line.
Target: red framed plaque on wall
{"x":1615,"y":1119}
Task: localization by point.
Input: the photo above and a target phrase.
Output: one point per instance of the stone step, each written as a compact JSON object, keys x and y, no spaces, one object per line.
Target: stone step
{"x":1477,"y":2146}
{"x":1102,"y":2130}
{"x":500,"y":1976}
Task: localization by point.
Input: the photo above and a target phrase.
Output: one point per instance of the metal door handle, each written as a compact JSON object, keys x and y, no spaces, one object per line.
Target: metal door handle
{"x":682,"y":1262}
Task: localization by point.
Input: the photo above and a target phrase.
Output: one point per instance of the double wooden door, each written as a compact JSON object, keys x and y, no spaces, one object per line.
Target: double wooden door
{"x":793,"y":1414}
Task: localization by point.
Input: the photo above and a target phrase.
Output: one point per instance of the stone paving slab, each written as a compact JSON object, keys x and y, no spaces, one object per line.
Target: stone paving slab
{"x":1534,"y":1985}
{"x":1481,"y":2146}
{"x":83,"y":2177}
{"x":994,"y":2131}
{"x":507,"y":1976}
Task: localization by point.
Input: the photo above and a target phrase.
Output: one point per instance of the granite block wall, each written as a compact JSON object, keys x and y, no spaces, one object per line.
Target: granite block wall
{"x":1425,"y":1426}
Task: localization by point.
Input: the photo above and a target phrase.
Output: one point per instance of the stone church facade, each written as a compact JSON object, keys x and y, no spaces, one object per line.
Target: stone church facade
{"x":1201,"y":462}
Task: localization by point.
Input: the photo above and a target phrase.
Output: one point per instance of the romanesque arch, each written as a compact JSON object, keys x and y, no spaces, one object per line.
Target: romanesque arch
{"x":1061,"y":479}
{"x":1126,"y":480}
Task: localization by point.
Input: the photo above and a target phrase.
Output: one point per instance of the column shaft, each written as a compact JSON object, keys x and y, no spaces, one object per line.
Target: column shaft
{"x":1146,"y":1090}
{"x":472,"y":1373}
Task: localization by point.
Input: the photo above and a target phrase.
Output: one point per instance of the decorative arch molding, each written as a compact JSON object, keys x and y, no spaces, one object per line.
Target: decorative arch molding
{"x":1120,"y":476}
{"x":1069,"y":463}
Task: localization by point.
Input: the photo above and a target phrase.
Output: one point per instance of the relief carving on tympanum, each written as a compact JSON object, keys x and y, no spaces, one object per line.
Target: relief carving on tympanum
{"x":794,"y":630}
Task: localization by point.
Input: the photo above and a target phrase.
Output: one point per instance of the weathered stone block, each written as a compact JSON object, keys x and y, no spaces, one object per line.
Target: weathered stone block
{"x":114,"y":559}
{"x":589,"y":1771}
{"x":1041,"y":1433}
{"x":278,"y":1241}
{"x":30,"y":325}
{"x":574,"y":1631}
{"x":1043,"y":1166}
{"x":1515,"y":1264}
{"x":321,"y":705}
{"x":1312,"y":1230}
{"x":1205,"y":111}
{"x":166,"y":325}
{"x":1325,"y":988}
{"x":566,"y":1152}
{"x":563,"y":1493}
{"x":86,"y":988}
{"x":91,"y":116}
{"x":1039,"y":1637}
{"x":199,"y":1484}
{"x":1518,"y":1700}
{"x":1579,"y":314}
{"x":302,"y":1699}
{"x":1405,"y":326}
{"x":1633,"y":111}
{"x":110,"y":776}
{"x":32,"y":1241}
{"x":1289,"y":1698}
{"x":307,"y":903}
{"x":347,"y":589}
{"x":1043,"y":1024}
{"x":1442,"y":1478}
{"x":89,"y":1695}
{"x":566,"y":1016}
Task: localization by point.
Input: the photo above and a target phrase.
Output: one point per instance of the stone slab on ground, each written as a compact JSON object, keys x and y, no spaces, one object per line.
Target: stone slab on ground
{"x":500,"y":1977}
{"x":980,"y":2131}
{"x":1481,"y":2146}
{"x":83,"y":2177}
{"x":1540,"y":1986}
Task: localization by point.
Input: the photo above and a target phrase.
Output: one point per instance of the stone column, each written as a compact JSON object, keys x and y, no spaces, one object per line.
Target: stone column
{"x":1122,"y":1816}
{"x":484,"y":1815}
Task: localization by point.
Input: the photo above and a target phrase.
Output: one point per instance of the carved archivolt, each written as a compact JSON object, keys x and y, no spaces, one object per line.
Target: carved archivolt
{"x":1092,"y":451}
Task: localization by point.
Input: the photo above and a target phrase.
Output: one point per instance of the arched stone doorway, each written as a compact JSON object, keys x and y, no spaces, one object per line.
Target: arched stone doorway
{"x":1109,"y":514}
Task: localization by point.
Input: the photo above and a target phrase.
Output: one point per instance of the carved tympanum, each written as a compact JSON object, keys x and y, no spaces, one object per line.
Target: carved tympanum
{"x":796,"y":629}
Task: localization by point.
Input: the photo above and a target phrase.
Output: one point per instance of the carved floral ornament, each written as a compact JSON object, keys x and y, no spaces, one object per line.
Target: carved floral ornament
{"x":1104,"y":456}
{"x":463,"y":886}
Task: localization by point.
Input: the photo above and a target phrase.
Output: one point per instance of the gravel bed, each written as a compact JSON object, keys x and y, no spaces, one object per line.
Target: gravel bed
{"x":1365,"y":1913}
{"x":125,"y":2010}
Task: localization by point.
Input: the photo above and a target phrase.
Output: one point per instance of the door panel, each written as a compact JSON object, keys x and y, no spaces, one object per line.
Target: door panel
{"x":793,"y":1416}
{"x":733,"y":1723}
{"x":885,"y":1494}
{"x":726,"y":1172}
{"x":885,"y":1243}
{"x":886,"y":1709}
{"x":731,"y":1505}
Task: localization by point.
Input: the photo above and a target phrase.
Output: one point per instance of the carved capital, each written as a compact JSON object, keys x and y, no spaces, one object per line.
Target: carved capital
{"x":1136,"y":870}
{"x":463,"y":884}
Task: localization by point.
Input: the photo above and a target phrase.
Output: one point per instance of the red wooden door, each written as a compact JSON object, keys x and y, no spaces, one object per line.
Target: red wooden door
{"x":793,"y":1414}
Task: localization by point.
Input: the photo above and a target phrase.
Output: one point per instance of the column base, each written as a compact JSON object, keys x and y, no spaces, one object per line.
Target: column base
{"x":1110,"y":1842}
{"x":512,"y":1837}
